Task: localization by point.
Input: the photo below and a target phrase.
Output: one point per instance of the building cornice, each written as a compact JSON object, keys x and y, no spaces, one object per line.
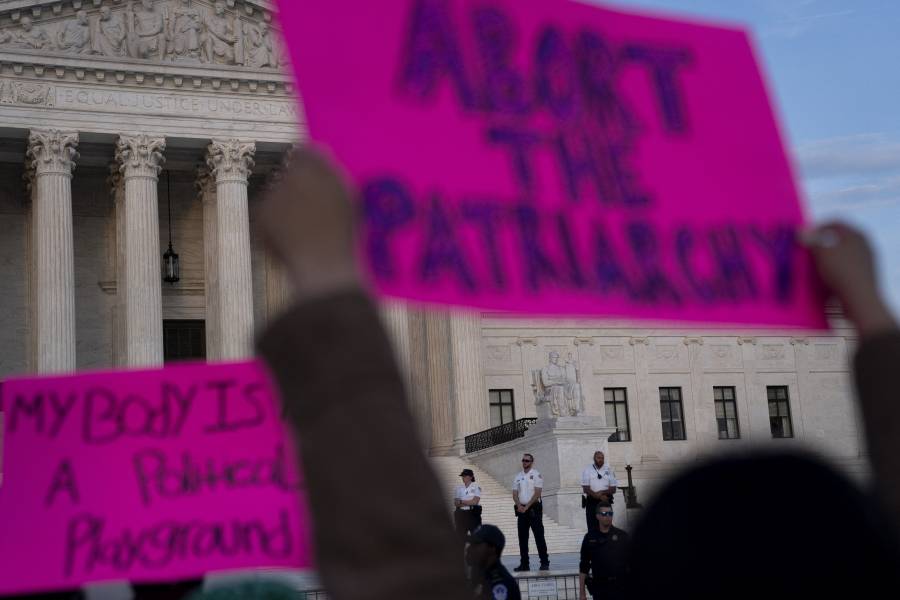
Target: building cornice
{"x":58,"y":67}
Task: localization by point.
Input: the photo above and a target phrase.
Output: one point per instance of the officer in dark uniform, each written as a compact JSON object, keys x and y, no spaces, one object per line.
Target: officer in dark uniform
{"x":604,"y":555}
{"x":490,"y":578}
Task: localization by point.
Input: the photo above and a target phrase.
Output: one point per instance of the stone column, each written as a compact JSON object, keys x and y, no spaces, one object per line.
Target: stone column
{"x":120,"y":337}
{"x":418,"y":374}
{"x":472,"y":412}
{"x":230,"y":162}
{"x":207,"y":192}
{"x":140,"y":157}
{"x":51,"y":154}
{"x":279,"y":290}
{"x":437,"y":341}
{"x":28,"y":179}
{"x":396,"y":321}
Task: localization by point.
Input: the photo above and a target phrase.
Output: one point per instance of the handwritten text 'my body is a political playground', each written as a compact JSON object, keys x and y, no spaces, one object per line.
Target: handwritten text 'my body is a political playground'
{"x":154,"y":436}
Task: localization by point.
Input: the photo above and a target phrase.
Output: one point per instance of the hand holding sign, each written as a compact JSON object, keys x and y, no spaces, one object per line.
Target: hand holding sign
{"x":553,"y":157}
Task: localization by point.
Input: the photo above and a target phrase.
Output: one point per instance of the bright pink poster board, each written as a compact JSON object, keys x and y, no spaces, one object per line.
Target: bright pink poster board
{"x":148,"y":476}
{"x":550,"y":156}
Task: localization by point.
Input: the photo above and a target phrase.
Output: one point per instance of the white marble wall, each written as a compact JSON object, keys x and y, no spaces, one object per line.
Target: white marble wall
{"x":13,"y":271}
{"x":642,"y":358}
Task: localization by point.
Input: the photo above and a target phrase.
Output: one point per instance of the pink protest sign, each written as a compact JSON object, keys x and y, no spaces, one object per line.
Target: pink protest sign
{"x":550,"y":156}
{"x":148,"y":476}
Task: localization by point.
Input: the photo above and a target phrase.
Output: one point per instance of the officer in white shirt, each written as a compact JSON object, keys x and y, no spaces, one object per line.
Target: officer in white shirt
{"x":526,"y":490}
{"x":467,"y":515}
{"x":598,"y":481}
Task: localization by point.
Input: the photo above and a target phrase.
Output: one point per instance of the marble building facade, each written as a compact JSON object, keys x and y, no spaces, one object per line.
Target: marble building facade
{"x":109,"y":109}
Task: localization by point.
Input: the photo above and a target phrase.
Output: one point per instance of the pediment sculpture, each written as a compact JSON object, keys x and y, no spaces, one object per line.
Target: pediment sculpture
{"x":175,"y":31}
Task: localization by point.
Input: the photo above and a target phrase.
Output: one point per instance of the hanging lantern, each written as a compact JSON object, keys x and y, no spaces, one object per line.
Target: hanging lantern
{"x":171,"y":270}
{"x":170,"y":266}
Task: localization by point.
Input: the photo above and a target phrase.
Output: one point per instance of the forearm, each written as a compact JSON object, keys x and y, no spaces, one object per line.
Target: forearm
{"x":346,"y":401}
{"x":534,"y":498}
{"x":877,"y":368}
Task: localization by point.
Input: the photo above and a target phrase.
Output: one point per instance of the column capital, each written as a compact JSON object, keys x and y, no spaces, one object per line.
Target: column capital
{"x":52,"y":151}
{"x":28,"y":176}
{"x":231,"y":160}
{"x":114,"y":180}
{"x":204,"y":184}
{"x":140,"y":155}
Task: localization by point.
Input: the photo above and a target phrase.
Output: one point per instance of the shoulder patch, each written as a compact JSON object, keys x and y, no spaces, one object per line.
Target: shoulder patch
{"x":500,"y":592}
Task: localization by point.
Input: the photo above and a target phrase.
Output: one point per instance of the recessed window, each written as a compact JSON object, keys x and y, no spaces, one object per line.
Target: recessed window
{"x":779,"y":411}
{"x":672,"y":413}
{"x":184,"y":340}
{"x":503,"y":410}
{"x":616,"y":402}
{"x":726,"y":413}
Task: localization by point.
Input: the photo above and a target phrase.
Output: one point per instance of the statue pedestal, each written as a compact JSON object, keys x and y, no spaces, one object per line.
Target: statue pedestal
{"x":562,"y":448}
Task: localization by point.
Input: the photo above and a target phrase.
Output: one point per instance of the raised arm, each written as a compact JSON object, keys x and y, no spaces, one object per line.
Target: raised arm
{"x":346,"y":403}
{"x":846,"y":265}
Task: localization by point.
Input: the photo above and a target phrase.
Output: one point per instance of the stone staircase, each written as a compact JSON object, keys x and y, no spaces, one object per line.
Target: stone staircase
{"x":496,"y":498}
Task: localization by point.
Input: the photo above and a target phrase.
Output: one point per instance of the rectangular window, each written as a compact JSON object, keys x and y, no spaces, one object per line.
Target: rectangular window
{"x":726,"y":413}
{"x":779,"y":411}
{"x":184,"y":340}
{"x":672,"y":413}
{"x":502,"y":408}
{"x":616,"y":402}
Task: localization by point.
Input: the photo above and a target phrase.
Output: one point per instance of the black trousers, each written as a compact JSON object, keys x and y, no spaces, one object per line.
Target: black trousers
{"x":466,"y":521}
{"x":533,"y":520}
{"x":590,"y":514}
{"x":608,"y":590}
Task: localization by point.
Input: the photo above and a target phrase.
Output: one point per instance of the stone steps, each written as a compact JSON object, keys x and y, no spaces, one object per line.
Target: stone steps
{"x":497,"y":501}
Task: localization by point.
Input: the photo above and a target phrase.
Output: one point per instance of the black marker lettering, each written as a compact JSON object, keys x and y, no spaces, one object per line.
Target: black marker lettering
{"x":63,"y":481}
{"x":388,"y":206}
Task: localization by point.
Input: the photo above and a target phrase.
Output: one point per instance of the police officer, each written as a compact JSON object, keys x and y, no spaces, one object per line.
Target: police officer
{"x":467,"y":515}
{"x":527,"y":488}
{"x":603,"y":555}
{"x":598,"y":481}
{"x":490,"y":578}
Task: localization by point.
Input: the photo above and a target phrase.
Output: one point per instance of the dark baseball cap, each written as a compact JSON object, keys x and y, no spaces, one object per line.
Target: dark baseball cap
{"x":489,"y":534}
{"x":468,"y":472}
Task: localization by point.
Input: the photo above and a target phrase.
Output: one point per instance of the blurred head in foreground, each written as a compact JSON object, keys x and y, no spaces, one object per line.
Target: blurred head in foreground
{"x":764,"y":526}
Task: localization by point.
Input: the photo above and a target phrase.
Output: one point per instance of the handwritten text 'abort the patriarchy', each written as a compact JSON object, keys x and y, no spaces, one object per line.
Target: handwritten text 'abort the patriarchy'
{"x":562,"y":114}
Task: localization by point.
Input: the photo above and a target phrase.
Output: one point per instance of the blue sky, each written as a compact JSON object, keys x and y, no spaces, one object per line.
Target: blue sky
{"x":834,"y":73}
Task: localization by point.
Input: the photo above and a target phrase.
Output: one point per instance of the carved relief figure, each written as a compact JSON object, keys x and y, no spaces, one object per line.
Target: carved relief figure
{"x":30,"y":36}
{"x":261,"y":51}
{"x":146,"y":30}
{"x":574,"y":398}
{"x":29,"y":92}
{"x":109,"y":34}
{"x":185,"y":25}
{"x":75,"y":35}
{"x":174,"y":30}
{"x":553,"y":378}
{"x":219,"y":40}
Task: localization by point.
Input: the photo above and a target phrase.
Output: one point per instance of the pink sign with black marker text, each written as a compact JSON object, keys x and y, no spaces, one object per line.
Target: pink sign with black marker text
{"x":557,"y":157}
{"x":147,"y":476}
